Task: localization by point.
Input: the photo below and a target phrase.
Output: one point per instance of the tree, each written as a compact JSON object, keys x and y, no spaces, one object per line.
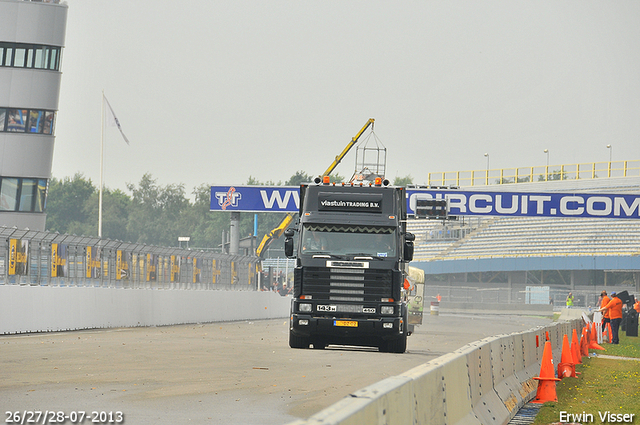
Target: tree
{"x":155,"y":213}
{"x":66,"y":204}
{"x":403,"y":181}
{"x":336,"y":178}
{"x":297,"y":178}
{"x":252,"y":181}
{"x":203,"y":226}
{"x":553,"y":175}
{"x":115,"y":215}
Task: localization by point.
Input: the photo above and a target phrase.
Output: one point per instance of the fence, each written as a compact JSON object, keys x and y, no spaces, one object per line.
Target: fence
{"x":590,"y":170}
{"x":586,"y":296}
{"x":37,"y":258}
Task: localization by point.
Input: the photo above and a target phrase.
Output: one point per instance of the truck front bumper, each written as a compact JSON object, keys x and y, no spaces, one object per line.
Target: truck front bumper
{"x":346,"y":331}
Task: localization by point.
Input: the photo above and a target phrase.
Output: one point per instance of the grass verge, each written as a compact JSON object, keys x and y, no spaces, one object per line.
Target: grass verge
{"x":604,"y":385}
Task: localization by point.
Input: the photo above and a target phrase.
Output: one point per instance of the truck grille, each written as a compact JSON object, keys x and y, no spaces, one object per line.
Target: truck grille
{"x":342,"y":284}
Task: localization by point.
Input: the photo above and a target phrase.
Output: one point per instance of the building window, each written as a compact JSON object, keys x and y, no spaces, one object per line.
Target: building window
{"x":36,"y":121}
{"x":8,"y":194}
{"x":21,"y":55}
{"x":48,"y":122}
{"x":41,"y":195}
{"x":27,"y":192}
{"x":26,"y":120}
{"x":23,"y":194}
{"x":8,"y":56}
{"x":41,"y":56}
{"x":54,"y":58}
{"x":17,"y":120}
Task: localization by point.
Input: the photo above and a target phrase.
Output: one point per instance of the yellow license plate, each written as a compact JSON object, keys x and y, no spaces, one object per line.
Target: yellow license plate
{"x":347,"y":323}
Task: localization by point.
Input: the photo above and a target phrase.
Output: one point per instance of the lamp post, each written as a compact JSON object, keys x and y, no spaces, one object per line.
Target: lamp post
{"x":610,"y":156}
{"x":547,"y":152}
{"x":487,"y":173}
{"x":546,"y":171}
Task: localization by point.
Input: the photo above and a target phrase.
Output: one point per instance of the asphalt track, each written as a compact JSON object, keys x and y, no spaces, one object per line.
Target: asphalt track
{"x":216,"y":373}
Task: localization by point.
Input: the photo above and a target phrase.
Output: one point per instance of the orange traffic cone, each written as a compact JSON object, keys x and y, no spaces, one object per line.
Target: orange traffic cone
{"x":566,"y":367}
{"x":546,"y":335}
{"x":546,"y":381}
{"x":575,"y":351}
{"x":575,"y":354}
{"x":606,"y":335}
{"x":593,"y":342}
{"x":584,"y":347}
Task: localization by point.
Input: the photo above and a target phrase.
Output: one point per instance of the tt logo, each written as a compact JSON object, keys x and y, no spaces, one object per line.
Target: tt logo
{"x":229,"y":198}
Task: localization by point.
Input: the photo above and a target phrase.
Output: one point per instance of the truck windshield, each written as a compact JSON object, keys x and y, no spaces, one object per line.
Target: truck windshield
{"x":345,"y":239}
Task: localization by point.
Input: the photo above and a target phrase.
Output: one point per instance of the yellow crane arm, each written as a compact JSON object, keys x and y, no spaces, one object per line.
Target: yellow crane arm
{"x":274,"y":234}
{"x":344,"y":152}
{"x":278,"y":231}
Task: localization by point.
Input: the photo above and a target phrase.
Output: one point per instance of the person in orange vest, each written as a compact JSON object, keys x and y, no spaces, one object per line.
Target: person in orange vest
{"x":604,"y":300}
{"x":636,"y":306}
{"x":615,"y":314}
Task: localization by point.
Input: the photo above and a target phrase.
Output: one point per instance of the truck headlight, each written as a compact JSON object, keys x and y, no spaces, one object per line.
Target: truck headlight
{"x":386,"y":309}
{"x":306,"y":308}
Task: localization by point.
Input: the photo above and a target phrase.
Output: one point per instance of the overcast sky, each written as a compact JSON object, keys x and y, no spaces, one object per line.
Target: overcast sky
{"x":212,"y":92}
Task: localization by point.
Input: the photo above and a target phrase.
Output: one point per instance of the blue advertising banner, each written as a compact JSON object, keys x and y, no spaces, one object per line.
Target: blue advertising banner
{"x":460,"y":202}
{"x":255,"y":198}
{"x":530,"y":204}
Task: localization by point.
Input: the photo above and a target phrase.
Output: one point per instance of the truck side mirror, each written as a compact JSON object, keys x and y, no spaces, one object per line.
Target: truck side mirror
{"x":408,"y":246}
{"x":288,"y":245}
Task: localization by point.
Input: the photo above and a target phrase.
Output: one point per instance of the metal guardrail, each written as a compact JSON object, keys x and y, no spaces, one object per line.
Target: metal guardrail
{"x":583,"y":171}
{"x":29,"y":257}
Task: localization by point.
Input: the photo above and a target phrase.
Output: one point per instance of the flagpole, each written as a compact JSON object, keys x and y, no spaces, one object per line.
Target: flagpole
{"x":101,"y":171}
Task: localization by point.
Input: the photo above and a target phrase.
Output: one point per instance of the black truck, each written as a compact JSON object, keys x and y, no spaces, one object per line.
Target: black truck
{"x":351,"y":253}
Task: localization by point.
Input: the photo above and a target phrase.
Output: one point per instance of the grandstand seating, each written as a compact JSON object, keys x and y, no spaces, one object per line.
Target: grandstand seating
{"x":524,"y":236}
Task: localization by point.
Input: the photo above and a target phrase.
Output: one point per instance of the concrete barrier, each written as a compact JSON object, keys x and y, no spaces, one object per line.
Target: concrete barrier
{"x":428,"y":387}
{"x":487,"y":381}
{"x":485,"y":402}
{"x":46,"y":309}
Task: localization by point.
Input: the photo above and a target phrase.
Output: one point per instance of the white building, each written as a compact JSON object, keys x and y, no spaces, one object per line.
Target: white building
{"x":31,"y":43}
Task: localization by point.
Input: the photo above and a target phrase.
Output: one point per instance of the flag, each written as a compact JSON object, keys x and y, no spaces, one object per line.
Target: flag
{"x":113,"y":120}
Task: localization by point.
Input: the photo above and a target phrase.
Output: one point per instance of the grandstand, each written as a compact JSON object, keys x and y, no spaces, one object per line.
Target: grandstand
{"x":500,"y":259}
{"x":522,"y":237}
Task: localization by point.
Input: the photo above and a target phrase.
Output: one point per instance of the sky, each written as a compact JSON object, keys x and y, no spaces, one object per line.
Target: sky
{"x":214,"y":92}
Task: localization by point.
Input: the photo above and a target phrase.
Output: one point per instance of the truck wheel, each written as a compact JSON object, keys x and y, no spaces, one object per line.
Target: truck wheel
{"x":297,"y":341}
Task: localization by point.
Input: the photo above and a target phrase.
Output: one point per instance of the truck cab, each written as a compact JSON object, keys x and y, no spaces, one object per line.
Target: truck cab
{"x":351,"y":249}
